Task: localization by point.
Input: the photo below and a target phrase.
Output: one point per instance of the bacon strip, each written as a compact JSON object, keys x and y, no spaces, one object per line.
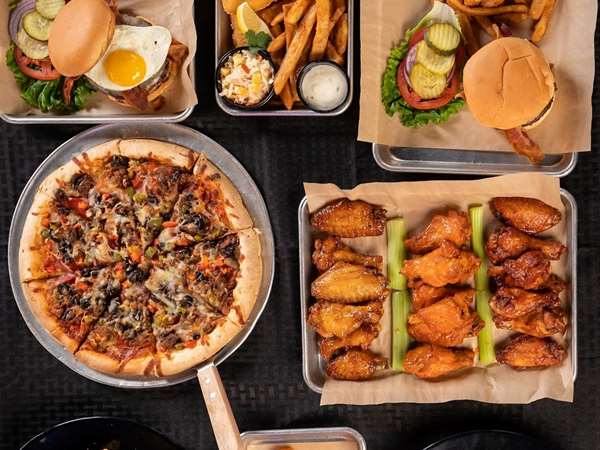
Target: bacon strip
{"x":523,"y":145}
{"x":68,"y":89}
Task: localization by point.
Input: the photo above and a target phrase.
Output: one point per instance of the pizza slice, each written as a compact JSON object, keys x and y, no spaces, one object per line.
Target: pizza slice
{"x":187,"y":330}
{"x":122,"y":340}
{"x":209,"y":208}
{"x":68,"y":305}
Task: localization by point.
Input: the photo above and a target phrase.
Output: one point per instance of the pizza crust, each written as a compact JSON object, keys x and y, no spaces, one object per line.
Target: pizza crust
{"x":250,"y":277}
{"x":30,"y":259}
{"x":238,"y":215}
{"x":180,"y":360}
{"x":163,"y":151}
{"x":106,"y":364}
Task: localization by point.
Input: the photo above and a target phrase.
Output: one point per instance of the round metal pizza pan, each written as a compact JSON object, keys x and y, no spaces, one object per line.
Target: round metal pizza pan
{"x":176,"y":134}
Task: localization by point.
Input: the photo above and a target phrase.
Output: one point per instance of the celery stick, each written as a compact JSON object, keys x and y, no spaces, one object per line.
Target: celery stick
{"x":400,"y":336}
{"x":396,"y":253}
{"x":487,"y":354}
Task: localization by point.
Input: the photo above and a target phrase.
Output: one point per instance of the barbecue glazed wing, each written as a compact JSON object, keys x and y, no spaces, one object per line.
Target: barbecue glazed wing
{"x":360,"y":338}
{"x":349,"y":283}
{"x":447,"y":322}
{"x":355,"y":365}
{"x":452,"y":226}
{"x":526,"y":214}
{"x":423,"y":295}
{"x":432,"y":361}
{"x":527,"y":352}
{"x":331,"y":250}
{"x":350,"y":218}
{"x":444,"y":265}
{"x":511,"y":303}
{"x":335,"y":319}
{"x":555,"y":283}
{"x":542,"y":323}
{"x":508,"y":242}
{"x":531,"y":270}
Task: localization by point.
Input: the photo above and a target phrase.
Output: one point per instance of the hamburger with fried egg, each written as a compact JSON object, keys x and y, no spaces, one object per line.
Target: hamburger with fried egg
{"x":127,"y":58}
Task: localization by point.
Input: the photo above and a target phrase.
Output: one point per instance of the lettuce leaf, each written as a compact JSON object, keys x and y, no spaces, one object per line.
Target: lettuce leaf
{"x":394,"y":103}
{"x":47,"y":96}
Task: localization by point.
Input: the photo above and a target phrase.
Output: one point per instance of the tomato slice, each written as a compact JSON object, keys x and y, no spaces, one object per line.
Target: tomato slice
{"x":449,"y":93}
{"x":39,"y":69}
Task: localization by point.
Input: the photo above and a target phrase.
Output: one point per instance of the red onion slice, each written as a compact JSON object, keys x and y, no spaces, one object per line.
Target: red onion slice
{"x":16,"y":17}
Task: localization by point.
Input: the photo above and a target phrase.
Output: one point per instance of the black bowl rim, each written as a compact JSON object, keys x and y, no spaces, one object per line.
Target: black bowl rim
{"x":224,"y":58}
{"x":100,"y":418}
{"x":312,"y":64}
{"x":458,"y":435}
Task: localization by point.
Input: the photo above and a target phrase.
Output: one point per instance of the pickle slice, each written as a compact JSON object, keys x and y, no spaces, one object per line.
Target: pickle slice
{"x":426,"y":83}
{"x":432,"y":60}
{"x":37,"y":26}
{"x":32,"y":48}
{"x":49,"y":8}
{"x":443,"y":38}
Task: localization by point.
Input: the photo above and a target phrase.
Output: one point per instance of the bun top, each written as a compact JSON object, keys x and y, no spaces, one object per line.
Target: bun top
{"x":80,"y":35}
{"x":508,"y":83}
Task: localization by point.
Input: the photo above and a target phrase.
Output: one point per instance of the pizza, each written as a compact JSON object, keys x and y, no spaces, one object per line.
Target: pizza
{"x":140,"y":258}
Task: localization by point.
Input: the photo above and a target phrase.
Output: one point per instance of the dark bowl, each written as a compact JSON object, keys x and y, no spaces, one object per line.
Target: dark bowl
{"x":96,"y":433}
{"x":218,"y":86}
{"x":305,"y":70}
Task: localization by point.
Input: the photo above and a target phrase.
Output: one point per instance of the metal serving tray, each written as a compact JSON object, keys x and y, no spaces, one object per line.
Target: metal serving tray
{"x":274,"y":439}
{"x":223,"y":43}
{"x":176,"y":134}
{"x":466,"y":162}
{"x":313,"y":366}
{"x":42,"y":118}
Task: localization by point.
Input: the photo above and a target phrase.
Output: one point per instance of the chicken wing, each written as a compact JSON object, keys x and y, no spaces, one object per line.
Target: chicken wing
{"x":331,"y":250}
{"x":444,"y":265}
{"x":542,"y":323}
{"x":447,"y":322}
{"x":511,"y":303}
{"x":526,"y":352}
{"x":527,"y":214}
{"x":349,"y":283}
{"x":555,"y":283}
{"x":531,"y":270}
{"x":423,"y":295}
{"x":335,"y":319}
{"x":360,"y":338}
{"x":450,"y":226}
{"x":432,"y":361}
{"x":355,"y":365}
{"x":508,"y":242}
{"x":350,"y":218}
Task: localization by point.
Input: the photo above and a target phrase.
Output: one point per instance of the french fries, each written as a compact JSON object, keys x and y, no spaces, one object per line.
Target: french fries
{"x":302,"y":30}
{"x":494,"y":15}
{"x":294,"y":51}
{"x":471,"y":39}
{"x":322,"y":31}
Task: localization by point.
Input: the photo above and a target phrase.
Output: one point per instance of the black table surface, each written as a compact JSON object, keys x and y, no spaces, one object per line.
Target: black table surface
{"x":264,"y":377}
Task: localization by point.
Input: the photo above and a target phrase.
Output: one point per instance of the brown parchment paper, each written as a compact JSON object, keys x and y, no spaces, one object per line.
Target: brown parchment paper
{"x":176,"y":15}
{"x":416,"y":202}
{"x":568,"y":45}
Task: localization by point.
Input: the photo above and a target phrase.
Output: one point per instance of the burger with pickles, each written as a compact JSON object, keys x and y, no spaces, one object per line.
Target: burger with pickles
{"x":422,"y":80}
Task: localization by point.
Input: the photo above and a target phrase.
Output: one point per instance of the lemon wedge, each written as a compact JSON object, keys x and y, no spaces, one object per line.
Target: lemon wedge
{"x":248,"y":20}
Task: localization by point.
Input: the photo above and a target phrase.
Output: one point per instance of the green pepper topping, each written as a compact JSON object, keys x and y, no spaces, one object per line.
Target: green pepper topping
{"x":130,"y":191}
{"x":155,"y":223}
{"x":139,"y":197}
{"x":150,"y":252}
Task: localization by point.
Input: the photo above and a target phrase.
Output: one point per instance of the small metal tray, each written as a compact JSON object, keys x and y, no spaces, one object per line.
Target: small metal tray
{"x":223,"y":43}
{"x":313,"y":366}
{"x":328,"y":438}
{"x":467,"y":162}
{"x":176,"y":134}
{"x":41,"y":118}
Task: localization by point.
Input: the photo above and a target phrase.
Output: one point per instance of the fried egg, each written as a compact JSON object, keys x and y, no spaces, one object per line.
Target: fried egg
{"x":134,"y":55}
